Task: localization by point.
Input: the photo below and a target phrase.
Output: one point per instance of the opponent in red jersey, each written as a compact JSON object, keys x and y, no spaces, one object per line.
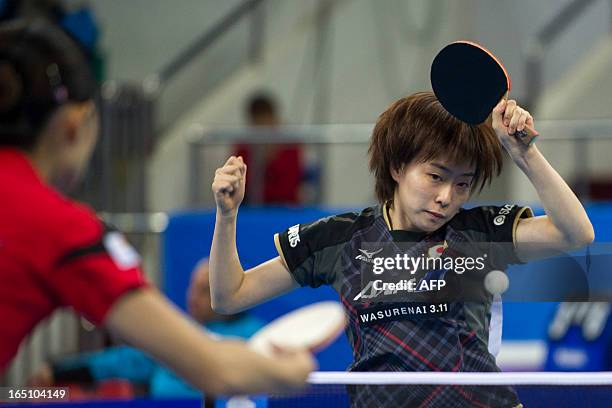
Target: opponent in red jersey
{"x":56,"y":253}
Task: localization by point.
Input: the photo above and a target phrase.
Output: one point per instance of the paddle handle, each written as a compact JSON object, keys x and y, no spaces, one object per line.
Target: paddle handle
{"x":527,"y":136}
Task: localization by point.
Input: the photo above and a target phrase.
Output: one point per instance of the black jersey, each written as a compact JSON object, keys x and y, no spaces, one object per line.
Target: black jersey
{"x":333,"y":250}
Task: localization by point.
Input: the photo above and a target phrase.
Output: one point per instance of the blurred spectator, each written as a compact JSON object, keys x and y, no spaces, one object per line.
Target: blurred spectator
{"x":131,"y":364}
{"x":275,"y":171}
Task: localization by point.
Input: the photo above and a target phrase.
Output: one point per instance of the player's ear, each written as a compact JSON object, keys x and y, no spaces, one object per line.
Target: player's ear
{"x":397,"y":173}
{"x":75,"y":115}
{"x":65,"y":123}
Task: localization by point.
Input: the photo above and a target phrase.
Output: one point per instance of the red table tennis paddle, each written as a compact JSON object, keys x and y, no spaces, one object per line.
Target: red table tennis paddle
{"x":469,"y":81}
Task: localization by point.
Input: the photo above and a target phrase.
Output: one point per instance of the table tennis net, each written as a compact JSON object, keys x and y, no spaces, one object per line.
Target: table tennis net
{"x":382,"y":389}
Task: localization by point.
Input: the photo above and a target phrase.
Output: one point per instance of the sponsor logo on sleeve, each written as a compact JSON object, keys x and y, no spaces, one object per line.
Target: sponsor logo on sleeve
{"x":294,"y":235}
{"x":120,"y":251}
{"x":500,"y":219}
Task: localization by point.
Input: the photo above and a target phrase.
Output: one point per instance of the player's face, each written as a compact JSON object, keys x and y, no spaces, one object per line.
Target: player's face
{"x":429,"y":194}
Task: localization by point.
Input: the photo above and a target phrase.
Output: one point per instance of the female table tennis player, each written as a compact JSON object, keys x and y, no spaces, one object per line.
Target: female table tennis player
{"x":55,"y":252}
{"x":426,"y":165}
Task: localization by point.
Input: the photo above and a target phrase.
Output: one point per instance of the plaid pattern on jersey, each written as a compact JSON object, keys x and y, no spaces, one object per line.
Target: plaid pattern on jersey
{"x":445,"y":343}
{"x":428,"y":344}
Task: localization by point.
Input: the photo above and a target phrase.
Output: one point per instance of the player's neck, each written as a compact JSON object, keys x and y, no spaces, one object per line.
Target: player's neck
{"x":42,"y":163}
{"x":399,"y":220}
{"x":47,"y":164}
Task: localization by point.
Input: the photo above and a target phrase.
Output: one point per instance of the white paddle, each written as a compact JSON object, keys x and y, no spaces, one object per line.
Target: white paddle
{"x":313,"y":327}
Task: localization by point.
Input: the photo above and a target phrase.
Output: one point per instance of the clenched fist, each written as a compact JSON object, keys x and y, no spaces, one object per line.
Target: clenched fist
{"x":229,"y":185}
{"x":514,"y":127}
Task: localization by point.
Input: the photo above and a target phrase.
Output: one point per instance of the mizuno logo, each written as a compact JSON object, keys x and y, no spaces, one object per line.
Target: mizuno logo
{"x":367,"y":256}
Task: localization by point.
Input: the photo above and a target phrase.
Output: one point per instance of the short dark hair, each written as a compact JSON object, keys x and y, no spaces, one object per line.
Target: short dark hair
{"x":417,"y":128}
{"x":261,"y":103}
{"x":41,"y":68}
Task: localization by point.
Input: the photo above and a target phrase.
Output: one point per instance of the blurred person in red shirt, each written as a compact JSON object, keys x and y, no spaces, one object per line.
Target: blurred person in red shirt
{"x":276,"y":169}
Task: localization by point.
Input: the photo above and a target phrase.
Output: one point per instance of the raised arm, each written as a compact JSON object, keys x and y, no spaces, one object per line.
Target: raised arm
{"x":231,"y":288}
{"x":566,"y":225}
{"x":148,"y":321}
